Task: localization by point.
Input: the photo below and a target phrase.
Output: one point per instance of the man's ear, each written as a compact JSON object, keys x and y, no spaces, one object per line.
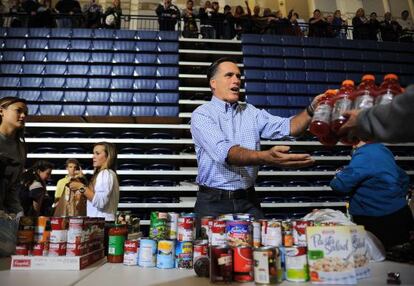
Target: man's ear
{"x":213,"y":83}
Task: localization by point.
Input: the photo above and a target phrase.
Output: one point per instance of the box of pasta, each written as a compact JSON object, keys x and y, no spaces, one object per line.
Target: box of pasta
{"x":331,"y":255}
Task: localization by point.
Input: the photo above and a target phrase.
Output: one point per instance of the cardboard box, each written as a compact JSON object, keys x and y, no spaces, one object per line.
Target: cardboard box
{"x":331,"y":255}
{"x":20,"y":262}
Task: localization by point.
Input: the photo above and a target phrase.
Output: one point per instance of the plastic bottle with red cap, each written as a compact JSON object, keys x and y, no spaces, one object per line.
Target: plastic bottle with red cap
{"x":364,"y":96}
{"x":342,"y":103}
{"x":321,"y":120}
{"x":389,"y":88}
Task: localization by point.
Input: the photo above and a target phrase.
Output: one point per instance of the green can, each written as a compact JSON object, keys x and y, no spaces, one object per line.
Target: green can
{"x":158,"y":226}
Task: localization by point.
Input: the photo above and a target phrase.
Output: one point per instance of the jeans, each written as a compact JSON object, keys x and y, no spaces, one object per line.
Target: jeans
{"x":8,"y":236}
{"x":211,"y":205}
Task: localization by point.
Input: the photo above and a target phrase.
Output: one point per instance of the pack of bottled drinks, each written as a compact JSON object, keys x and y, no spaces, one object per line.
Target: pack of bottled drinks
{"x":329,"y":114}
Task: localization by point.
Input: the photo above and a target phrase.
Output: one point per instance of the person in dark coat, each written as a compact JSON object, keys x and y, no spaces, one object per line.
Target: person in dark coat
{"x":168,"y":15}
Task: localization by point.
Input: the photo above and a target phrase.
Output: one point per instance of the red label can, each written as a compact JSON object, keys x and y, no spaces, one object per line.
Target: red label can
{"x":58,"y":223}
{"x":242,"y":264}
{"x":186,"y":229}
{"x":299,"y":232}
{"x":200,"y":250}
{"x":206,"y":223}
{"x":57,"y":249}
{"x":131,"y":252}
{"x":76,"y":230}
{"x":218,"y":233}
{"x":40,"y":249}
{"x":22,"y":249}
{"x":221,"y":265}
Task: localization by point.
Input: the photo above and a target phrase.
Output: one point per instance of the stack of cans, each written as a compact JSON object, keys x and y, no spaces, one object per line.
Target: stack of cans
{"x":59,"y":236}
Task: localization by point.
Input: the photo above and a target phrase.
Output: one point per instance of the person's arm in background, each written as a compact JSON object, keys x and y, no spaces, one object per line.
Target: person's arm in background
{"x":385,"y":123}
{"x":347,"y":180}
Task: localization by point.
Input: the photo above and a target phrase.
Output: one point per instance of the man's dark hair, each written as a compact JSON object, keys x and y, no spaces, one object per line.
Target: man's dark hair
{"x":212,"y":69}
{"x":405,"y":12}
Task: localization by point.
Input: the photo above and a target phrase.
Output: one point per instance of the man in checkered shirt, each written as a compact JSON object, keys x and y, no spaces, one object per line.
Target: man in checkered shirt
{"x":227,"y":136}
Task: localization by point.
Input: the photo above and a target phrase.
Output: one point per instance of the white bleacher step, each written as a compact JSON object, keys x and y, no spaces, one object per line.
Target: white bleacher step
{"x":209,"y":52}
{"x":106,"y":125}
{"x":193,"y":172}
{"x":112,"y":140}
{"x":218,"y":41}
{"x":194,"y":188}
{"x":182,"y":156}
{"x":192,"y":63}
{"x":191,"y":102}
{"x":190,"y":202}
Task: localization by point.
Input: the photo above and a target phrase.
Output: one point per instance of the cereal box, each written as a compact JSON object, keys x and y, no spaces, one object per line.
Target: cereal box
{"x":330,"y":255}
{"x":360,"y":250}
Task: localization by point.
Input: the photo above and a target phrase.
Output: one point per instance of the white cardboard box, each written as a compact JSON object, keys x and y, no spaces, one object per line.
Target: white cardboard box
{"x":21,"y":262}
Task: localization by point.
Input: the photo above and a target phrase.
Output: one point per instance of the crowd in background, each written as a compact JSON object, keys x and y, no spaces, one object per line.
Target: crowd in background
{"x":65,"y":14}
{"x":209,"y":22}
{"x":228,"y":25}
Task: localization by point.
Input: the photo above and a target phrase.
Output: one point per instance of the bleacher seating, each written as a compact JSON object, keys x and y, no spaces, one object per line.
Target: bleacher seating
{"x":76,"y":66}
{"x":305,"y":67}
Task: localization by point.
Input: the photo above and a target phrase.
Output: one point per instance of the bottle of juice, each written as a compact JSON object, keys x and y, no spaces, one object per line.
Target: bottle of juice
{"x":342,"y":103}
{"x":321,"y":120}
{"x":364,"y":96}
{"x":389,"y":88}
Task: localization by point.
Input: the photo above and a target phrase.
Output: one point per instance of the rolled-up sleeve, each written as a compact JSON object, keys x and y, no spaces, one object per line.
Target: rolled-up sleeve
{"x":103,"y":188}
{"x":208,"y":136}
{"x":272,"y":127}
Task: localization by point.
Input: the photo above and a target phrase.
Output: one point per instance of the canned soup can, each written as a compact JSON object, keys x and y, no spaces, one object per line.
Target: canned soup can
{"x":165,"y":254}
{"x":243,"y":264}
{"x":296,"y":264}
{"x":265,"y":268}
{"x":184,"y":254}
{"x":147,"y":252}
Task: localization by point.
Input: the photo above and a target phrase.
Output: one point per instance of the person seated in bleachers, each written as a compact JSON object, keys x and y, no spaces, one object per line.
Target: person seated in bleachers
{"x":407,"y":27}
{"x":378,"y":189}
{"x":13,"y":113}
{"x":73,"y":169}
{"x":317,"y":25}
{"x":168,"y":15}
{"x":92,"y":12}
{"x":112,"y":15}
{"x":373,"y":25}
{"x":33,"y":194}
{"x":360,"y":25}
{"x":390,"y":29}
{"x":70,"y":11}
{"x":189,"y":15}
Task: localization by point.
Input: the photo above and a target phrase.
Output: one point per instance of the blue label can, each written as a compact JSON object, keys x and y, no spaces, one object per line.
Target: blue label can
{"x":165,"y":254}
{"x":147,"y":252}
{"x":184,"y":254}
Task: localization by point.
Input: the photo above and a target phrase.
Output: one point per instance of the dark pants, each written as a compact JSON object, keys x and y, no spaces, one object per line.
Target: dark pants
{"x":392,"y":229}
{"x":214,"y":202}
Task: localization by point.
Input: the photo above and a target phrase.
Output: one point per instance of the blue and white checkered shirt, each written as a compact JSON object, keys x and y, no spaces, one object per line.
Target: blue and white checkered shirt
{"x":217,"y":126}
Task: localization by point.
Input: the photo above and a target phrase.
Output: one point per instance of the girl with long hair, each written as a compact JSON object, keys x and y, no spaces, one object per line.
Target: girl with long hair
{"x":102,"y":193}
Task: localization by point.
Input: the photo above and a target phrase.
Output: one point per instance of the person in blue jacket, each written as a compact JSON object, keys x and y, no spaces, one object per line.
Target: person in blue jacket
{"x":378,"y":188}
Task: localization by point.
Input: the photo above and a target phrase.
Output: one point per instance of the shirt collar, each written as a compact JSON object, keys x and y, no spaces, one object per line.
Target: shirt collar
{"x":222,"y":105}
